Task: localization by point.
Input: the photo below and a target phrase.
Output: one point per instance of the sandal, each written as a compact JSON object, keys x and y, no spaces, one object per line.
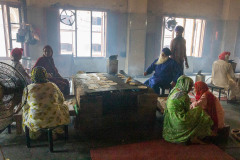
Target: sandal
{"x":236,"y":134}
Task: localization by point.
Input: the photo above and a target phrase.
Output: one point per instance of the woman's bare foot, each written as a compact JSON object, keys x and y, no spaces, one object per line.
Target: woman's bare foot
{"x":195,"y":140}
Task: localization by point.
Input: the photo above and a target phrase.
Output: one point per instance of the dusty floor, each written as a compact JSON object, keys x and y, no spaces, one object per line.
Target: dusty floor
{"x":78,"y":146}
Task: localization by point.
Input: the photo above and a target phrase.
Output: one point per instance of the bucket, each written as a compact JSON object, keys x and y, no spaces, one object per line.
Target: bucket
{"x":112,"y":66}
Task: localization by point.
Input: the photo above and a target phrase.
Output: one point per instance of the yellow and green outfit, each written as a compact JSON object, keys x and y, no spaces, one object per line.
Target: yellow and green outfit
{"x":44,"y":107}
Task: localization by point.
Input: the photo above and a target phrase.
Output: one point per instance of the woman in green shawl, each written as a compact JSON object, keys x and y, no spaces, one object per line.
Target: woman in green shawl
{"x":180,"y":123}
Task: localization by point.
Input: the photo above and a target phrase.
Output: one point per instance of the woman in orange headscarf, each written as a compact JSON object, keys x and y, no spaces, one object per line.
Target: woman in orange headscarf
{"x":210,"y":103}
{"x":16,"y":55}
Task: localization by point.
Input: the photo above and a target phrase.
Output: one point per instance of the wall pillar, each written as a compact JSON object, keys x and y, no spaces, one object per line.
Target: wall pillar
{"x":231,"y":24}
{"x":136,"y":37}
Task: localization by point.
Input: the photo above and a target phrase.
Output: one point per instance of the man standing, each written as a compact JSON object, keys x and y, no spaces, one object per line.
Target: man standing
{"x":178,"y":48}
{"x":166,"y":71}
{"x":223,"y":75}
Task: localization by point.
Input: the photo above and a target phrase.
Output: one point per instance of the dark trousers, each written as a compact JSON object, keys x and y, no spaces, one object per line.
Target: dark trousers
{"x":155,"y":87}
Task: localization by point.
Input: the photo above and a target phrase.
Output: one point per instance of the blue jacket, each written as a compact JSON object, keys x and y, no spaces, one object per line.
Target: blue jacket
{"x":164,"y":73}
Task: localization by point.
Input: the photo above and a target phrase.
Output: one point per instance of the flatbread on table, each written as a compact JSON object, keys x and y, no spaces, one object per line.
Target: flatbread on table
{"x":109,"y":81}
{"x":106,"y":86}
{"x":133,"y":83}
{"x":92,"y":87}
{"x":112,"y":84}
{"x":142,"y":87}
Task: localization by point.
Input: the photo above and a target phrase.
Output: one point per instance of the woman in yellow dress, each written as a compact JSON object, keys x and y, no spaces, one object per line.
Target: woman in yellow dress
{"x":44,"y":107}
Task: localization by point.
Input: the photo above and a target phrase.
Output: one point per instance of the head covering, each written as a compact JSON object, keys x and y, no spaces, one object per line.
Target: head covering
{"x":223,"y":55}
{"x":179,"y":29}
{"x":162,"y":59}
{"x":202,"y":88}
{"x":39,"y":75}
{"x":16,"y":52}
{"x":184,"y":83}
{"x":166,"y":51}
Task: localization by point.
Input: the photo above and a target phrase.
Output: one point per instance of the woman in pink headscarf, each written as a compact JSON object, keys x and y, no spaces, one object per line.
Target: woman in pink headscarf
{"x":223,"y":76}
{"x":210,"y":104}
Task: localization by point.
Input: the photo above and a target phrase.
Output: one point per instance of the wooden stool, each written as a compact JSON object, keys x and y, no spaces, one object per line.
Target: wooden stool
{"x":50,"y":139}
{"x":212,"y":87}
{"x":18,"y":118}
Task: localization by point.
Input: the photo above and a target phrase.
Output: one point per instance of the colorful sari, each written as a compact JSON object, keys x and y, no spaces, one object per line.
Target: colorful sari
{"x":180,"y":123}
{"x":48,"y":64}
{"x":210,"y":104}
{"x":44,"y":107}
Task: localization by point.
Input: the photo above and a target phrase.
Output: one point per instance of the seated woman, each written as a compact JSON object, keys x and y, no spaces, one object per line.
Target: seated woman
{"x":166,"y":71}
{"x":44,"y":107}
{"x":16,"y":55}
{"x":47,"y":62}
{"x":182,"y":124}
{"x":210,"y":104}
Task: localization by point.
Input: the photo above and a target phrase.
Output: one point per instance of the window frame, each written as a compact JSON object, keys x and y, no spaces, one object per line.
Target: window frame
{"x":8,"y":26}
{"x":91,"y":34}
{"x":202,"y":33}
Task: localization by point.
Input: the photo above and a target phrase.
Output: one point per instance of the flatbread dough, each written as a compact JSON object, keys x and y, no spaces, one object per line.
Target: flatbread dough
{"x":142,"y":87}
{"x":109,"y":81}
{"x":106,"y":86}
{"x":92,"y":87}
{"x":132,"y":83}
{"x":112,"y":84}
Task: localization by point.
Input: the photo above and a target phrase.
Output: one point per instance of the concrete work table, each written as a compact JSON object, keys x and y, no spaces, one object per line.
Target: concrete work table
{"x":119,"y":104}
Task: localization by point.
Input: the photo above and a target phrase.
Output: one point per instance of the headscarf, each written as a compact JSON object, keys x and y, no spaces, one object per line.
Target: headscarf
{"x":179,"y":29}
{"x":39,"y":75}
{"x":202,"y":88}
{"x":162,"y":59}
{"x":16,"y":52}
{"x":184,"y":83}
{"x":223,"y":55}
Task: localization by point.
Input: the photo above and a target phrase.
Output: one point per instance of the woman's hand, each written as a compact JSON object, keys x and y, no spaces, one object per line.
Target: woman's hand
{"x":173,"y":84}
{"x":49,"y":75}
